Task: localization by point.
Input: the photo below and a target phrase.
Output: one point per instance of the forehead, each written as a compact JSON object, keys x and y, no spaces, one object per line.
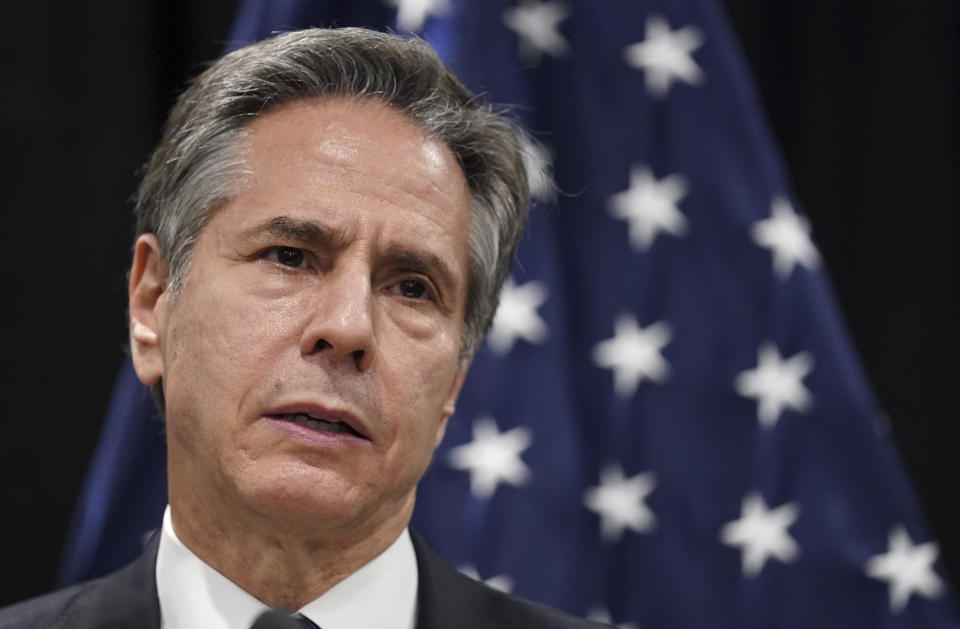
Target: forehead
{"x":365,"y":136}
{"x":344,"y":157}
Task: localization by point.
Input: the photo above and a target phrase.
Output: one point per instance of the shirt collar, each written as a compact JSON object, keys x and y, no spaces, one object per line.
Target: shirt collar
{"x":382,"y":593}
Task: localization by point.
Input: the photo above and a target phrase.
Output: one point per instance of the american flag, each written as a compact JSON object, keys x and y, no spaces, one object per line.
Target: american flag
{"x":667,"y":425}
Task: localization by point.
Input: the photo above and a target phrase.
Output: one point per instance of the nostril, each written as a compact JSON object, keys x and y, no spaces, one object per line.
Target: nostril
{"x":321,"y":345}
{"x":357,"y":355}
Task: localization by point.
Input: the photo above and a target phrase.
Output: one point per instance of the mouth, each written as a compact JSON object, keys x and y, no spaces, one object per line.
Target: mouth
{"x":319,"y":424}
{"x":320,"y":420}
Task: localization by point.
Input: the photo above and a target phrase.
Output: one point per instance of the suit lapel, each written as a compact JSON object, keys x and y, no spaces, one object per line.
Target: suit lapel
{"x":446,"y":598}
{"x":125,"y":599}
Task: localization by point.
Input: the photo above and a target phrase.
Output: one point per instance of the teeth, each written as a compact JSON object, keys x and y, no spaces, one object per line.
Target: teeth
{"x":319,"y":424}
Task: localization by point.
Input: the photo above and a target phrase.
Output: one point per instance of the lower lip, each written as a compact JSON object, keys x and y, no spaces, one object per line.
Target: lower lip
{"x":314,"y":437}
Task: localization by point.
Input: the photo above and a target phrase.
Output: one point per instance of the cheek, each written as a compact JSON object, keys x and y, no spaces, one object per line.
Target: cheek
{"x":247,"y":328}
{"x":223,"y":349}
{"x":421,"y":387}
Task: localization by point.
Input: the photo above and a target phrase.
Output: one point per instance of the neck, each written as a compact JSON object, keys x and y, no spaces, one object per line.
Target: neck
{"x":284,"y":564}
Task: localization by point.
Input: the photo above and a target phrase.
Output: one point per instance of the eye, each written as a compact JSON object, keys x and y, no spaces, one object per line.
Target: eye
{"x":287,"y":256}
{"x":412,"y":289}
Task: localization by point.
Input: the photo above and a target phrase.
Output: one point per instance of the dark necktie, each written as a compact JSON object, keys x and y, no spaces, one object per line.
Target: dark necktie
{"x":277,"y":619}
{"x":305,"y":622}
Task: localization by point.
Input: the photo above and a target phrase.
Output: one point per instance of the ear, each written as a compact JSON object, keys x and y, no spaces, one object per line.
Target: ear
{"x":147,"y":304}
{"x":450,"y":403}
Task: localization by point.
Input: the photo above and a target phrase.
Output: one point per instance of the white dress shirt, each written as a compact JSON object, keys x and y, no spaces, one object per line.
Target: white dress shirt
{"x":381,"y":594}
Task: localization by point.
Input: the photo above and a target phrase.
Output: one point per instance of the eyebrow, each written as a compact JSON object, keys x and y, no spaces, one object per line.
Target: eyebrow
{"x":308,"y":232}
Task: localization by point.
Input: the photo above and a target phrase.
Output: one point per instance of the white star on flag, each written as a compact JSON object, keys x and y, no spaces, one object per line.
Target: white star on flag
{"x":517,"y":316}
{"x":906,"y":568}
{"x":665,"y":55}
{"x":619,"y":501}
{"x":412,"y":14}
{"x":499,"y":582}
{"x":787,"y":235}
{"x":537,"y":24}
{"x":762,"y":533}
{"x":650,"y":206}
{"x":776,"y":383}
{"x":492,"y":457}
{"x":601,"y":614}
{"x":634,"y":354}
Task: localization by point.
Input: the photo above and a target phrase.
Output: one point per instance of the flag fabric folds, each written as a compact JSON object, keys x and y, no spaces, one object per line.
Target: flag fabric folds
{"x":667,"y":425}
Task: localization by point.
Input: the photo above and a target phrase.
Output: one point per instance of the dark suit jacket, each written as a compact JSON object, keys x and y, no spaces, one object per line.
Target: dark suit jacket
{"x":128,"y":598}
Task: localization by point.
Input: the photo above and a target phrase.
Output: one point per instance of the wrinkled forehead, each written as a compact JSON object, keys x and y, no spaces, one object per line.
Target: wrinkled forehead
{"x":348,"y":144}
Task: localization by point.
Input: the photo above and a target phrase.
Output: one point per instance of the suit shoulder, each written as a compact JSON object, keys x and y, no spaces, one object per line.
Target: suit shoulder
{"x":448,"y":598}
{"x":518,"y":612}
{"x":46,"y":611}
{"x":125,"y":598}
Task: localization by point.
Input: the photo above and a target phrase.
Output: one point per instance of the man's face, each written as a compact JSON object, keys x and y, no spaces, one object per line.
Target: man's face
{"x":311,"y":361}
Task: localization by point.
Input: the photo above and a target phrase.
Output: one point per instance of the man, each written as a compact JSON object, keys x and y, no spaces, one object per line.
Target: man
{"x":323,"y":231}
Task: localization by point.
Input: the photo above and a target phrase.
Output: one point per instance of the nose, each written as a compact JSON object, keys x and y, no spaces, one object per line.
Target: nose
{"x":340,"y":326}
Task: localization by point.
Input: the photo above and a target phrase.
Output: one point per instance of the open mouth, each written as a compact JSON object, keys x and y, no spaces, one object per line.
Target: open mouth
{"x":319,"y":424}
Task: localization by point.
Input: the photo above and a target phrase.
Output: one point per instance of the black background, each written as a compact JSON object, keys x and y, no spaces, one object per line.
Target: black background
{"x":862,"y":97}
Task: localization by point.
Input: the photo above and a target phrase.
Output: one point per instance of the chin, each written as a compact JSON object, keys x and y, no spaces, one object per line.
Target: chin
{"x":316,"y":499}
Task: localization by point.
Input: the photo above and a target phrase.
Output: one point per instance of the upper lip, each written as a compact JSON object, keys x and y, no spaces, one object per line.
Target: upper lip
{"x":323,"y":412}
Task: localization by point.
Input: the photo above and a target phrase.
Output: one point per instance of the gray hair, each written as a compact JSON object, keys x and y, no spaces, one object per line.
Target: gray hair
{"x":199,"y":161}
